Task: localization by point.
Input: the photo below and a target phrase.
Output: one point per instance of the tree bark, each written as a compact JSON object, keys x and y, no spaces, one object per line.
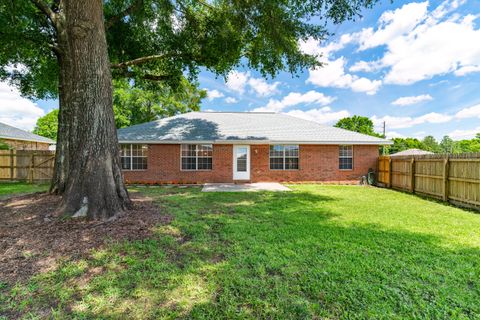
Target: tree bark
{"x":87,"y":164}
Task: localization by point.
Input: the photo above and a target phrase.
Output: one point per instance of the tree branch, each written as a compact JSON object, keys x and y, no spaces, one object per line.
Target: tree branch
{"x":140,"y":60}
{"x":43,"y":7}
{"x":143,"y":60}
{"x":146,"y":76}
{"x":130,"y":10}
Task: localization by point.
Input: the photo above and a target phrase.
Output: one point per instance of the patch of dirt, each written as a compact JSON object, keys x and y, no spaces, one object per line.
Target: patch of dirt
{"x":33,"y":237}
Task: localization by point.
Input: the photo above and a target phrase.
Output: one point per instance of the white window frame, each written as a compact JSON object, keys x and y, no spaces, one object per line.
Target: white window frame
{"x":131,"y":156}
{"x":196,"y":156}
{"x":283,"y":157}
{"x":345,"y":157}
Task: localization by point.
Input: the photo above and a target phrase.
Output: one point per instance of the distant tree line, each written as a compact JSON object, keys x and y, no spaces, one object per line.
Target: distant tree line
{"x":429,"y":143}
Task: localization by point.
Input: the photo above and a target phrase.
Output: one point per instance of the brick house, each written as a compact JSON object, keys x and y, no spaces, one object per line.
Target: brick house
{"x":200,"y":147}
{"x":19,"y":139}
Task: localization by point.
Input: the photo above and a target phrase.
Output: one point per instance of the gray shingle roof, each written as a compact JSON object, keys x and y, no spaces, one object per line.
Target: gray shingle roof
{"x":410,"y":152}
{"x":9,"y":132}
{"x":254,"y":127}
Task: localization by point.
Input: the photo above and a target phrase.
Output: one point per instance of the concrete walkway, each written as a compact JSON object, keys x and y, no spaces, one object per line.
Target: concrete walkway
{"x":244,"y":187}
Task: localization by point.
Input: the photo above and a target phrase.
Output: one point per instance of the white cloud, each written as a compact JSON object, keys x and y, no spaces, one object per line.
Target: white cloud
{"x":17,"y":111}
{"x":394,"y":134}
{"x":471,"y":112}
{"x":231,"y":100}
{"x":368,"y":86}
{"x":393,"y":24}
{"x":464,"y":134}
{"x":237,"y":80}
{"x":262,"y":88}
{"x":213,"y":94}
{"x":365,"y":66}
{"x":314,"y":47}
{"x":421,"y":45}
{"x":320,"y":115}
{"x":295,"y":98}
{"x":406,"y":101}
{"x":393,"y":122}
{"x":333,"y":75}
{"x":466,"y":70}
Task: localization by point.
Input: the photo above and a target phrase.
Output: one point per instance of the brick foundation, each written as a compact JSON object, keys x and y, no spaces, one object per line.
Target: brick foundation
{"x":317,"y":163}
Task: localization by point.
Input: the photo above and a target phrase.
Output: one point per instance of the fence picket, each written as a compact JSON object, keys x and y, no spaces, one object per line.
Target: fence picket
{"x":454,"y":177}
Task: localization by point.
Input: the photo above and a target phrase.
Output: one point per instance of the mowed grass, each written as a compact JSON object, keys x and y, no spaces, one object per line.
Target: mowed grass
{"x":316,"y":252}
{"x":14,"y":188}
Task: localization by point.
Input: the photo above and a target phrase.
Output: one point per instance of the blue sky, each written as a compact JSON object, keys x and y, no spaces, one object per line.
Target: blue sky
{"x":413,"y":64}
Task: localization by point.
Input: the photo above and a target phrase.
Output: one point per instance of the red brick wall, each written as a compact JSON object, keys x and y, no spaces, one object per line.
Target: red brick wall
{"x":317,"y":163}
{"x":163,"y":166}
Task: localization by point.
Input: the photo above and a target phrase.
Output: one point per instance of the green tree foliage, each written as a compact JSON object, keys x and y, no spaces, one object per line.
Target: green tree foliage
{"x":134,"y":105}
{"x":358,"y":124}
{"x":4,"y":146}
{"x":472,"y":145}
{"x":400,"y":144}
{"x":430,"y":144}
{"x":71,"y":48}
{"x":47,"y":126}
{"x":164,"y":40}
{"x":139,"y":104}
{"x":447,"y":145}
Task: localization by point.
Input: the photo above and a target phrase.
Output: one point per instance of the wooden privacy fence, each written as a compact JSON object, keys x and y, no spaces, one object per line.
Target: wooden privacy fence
{"x":453,"y":178}
{"x":26,"y":165}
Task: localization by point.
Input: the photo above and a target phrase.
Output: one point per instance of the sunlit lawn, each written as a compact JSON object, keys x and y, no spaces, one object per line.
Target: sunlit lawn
{"x":15,"y":188}
{"x":316,"y":252}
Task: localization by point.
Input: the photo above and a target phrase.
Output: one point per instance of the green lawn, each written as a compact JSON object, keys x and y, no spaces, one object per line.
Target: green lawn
{"x":317,"y":252}
{"x":14,"y":188}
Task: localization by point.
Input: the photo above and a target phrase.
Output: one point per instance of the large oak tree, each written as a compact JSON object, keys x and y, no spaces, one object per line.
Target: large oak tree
{"x":71,"y":49}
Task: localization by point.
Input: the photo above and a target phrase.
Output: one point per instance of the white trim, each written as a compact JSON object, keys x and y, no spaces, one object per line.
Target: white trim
{"x":283,"y":157}
{"x":131,"y":156}
{"x":352,"y":157}
{"x":29,"y":140}
{"x":243,"y":175}
{"x":250,"y":142}
{"x":196,"y":157}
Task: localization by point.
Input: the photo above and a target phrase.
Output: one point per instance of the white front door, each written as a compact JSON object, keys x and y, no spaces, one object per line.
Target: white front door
{"x":241,"y":162}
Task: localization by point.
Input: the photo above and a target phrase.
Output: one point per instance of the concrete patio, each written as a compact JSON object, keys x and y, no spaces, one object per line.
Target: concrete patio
{"x":244,"y":187}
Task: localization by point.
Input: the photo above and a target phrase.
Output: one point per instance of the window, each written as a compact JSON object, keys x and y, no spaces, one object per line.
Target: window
{"x":283,"y":157}
{"x":345,"y":157}
{"x":133,"y":156}
{"x":196,"y":156}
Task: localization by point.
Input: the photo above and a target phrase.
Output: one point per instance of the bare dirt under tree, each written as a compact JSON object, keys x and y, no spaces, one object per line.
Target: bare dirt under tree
{"x":33,"y":237}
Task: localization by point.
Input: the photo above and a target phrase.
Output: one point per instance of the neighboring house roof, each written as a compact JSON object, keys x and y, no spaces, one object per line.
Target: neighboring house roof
{"x":410,"y":152}
{"x":9,"y":132}
{"x":230,"y":127}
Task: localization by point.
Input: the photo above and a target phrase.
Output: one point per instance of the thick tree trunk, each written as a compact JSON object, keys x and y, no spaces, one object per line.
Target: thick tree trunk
{"x":87,"y":164}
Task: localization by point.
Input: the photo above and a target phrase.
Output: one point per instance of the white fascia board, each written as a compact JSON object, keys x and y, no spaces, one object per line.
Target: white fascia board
{"x":29,"y":140}
{"x":253,"y":142}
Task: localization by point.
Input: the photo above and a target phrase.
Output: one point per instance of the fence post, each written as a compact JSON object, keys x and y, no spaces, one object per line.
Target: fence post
{"x":32,"y":163}
{"x":412,"y":175}
{"x":446,"y":169}
{"x":389,"y":172}
{"x":12,"y":165}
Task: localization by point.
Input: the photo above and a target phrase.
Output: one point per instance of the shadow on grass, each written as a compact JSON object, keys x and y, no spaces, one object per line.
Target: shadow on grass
{"x":259,"y":255}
